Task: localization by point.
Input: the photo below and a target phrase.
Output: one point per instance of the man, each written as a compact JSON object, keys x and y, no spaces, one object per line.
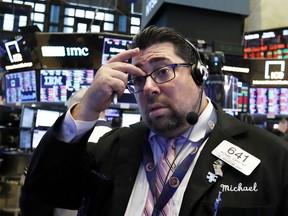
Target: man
{"x":213,"y":165}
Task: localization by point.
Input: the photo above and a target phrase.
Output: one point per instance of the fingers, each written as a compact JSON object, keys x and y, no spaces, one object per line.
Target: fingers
{"x":114,"y":74}
{"x":111,"y":78}
{"x":120,"y":62}
{"x":125,"y":55}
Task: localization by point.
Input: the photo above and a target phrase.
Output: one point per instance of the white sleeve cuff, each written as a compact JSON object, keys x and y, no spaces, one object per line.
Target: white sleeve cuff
{"x":74,"y":129}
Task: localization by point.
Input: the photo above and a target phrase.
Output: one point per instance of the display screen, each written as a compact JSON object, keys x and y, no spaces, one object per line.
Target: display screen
{"x":129,"y":118}
{"x":223,"y":90}
{"x":111,"y":113}
{"x":59,"y":85}
{"x":70,"y":50}
{"x":25,"y":139}
{"x":20,"y":87}
{"x":270,"y":101}
{"x":27,"y":117}
{"x":112,"y":46}
{"x":46,"y":118}
{"x":243,"y":97}
{"x":37,"y":136}
{"x":266,"y":44}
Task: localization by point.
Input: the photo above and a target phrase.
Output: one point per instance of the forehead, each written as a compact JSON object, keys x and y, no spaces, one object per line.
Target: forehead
{"x":155,"y":53}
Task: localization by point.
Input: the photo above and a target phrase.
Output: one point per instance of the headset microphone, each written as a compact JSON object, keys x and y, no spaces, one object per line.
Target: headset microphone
{"x":192,"y":118}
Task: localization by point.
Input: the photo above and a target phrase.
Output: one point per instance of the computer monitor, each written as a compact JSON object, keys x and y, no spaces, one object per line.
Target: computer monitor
{"x":37,"y":136}
{"x":111,"y":113}
{"x":112,"y":45}
{"x":27,"y":117}
{"x":223,"y":90}
{"x":46,"y":118}
{"x":20,"y":87}
{"x":59,"y":85}
{"x":25,"y":139}
{"x":129,"y":117}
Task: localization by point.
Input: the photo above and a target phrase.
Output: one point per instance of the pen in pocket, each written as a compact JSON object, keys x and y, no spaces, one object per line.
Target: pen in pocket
{"x":217,"y":203}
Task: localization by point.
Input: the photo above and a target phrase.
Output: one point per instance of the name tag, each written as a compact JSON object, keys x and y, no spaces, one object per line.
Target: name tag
{"x":236,"y":157}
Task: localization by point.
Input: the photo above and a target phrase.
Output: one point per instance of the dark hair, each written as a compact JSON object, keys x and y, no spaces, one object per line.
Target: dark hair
{"x":154,"y":34}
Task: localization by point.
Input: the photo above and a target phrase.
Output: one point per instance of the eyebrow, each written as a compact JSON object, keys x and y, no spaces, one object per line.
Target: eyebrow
{"x":153,"y":60}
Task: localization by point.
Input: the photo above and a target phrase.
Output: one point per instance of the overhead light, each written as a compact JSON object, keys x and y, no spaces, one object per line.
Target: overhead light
{"x":236,"y":69}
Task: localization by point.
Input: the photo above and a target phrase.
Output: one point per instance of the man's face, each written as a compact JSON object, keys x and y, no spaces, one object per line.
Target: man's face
{"x":164,"y":107}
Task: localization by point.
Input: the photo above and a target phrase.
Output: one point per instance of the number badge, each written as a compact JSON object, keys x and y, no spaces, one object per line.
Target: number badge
{"x":236,"y":157}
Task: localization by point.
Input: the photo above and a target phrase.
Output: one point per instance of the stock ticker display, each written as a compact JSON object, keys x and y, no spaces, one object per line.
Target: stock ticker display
{"x":269,"y":101}
{"x":243,"y":97}
{"x":59,"y":85}
{"x":266,"y":44}
{"x":20,"y":87}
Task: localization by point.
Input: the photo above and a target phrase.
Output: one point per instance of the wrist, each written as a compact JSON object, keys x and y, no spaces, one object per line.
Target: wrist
{"x":81,"y":113}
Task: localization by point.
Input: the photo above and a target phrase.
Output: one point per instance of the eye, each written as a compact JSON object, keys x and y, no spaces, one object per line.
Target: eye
{"x":162,"y":71}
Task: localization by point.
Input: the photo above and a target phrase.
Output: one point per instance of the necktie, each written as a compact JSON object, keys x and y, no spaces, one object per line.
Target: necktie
{"x":164,"y":170}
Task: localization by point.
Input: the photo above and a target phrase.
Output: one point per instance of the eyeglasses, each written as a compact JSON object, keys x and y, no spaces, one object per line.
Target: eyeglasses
{"x":161,"y":75}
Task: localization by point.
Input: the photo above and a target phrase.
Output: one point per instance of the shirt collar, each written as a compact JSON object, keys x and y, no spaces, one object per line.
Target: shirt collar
{"x":201,"y":126}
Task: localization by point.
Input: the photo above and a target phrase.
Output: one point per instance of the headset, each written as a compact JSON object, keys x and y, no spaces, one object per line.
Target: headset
{"x":199,"y":71}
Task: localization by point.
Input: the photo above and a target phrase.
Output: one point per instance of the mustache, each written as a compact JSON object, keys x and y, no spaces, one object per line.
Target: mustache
{"x":153,"y":99}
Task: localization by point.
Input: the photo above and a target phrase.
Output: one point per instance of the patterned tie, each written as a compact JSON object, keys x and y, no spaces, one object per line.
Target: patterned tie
{"x":165,"y":169}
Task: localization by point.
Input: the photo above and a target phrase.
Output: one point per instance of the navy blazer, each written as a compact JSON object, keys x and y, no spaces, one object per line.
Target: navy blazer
{"x":100,"y":177}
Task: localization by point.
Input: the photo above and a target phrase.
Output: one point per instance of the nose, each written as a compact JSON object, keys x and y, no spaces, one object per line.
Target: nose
{"x":151,"y":87}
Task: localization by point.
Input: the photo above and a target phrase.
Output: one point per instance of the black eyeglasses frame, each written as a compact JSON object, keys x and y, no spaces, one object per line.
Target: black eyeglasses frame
{"x":173,"y":66}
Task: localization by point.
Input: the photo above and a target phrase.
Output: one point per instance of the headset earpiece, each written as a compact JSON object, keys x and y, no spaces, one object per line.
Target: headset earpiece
{"x":199,"y":71}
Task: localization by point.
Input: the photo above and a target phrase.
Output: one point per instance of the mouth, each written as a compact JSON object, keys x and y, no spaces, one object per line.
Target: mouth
{"x":157,"y":110}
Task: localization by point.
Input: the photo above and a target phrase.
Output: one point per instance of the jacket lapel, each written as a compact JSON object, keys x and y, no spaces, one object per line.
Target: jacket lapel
{"x":198,"y":184}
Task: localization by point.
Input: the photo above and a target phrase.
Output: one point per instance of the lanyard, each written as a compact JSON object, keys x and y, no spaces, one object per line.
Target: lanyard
{"x":174,"y":181}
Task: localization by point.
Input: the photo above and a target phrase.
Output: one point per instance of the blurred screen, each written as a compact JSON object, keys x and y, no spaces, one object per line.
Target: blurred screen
{"x":59,"y":85}
{"x":27,"y":117}
{"x":130,"y":118}
{"x":20,"y":87}
{"x":25,"y":139}
{"x":46,"y":118}
{"x":271,"y":101}
{"x":112,"y":46}
{"x":37,"y":136}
